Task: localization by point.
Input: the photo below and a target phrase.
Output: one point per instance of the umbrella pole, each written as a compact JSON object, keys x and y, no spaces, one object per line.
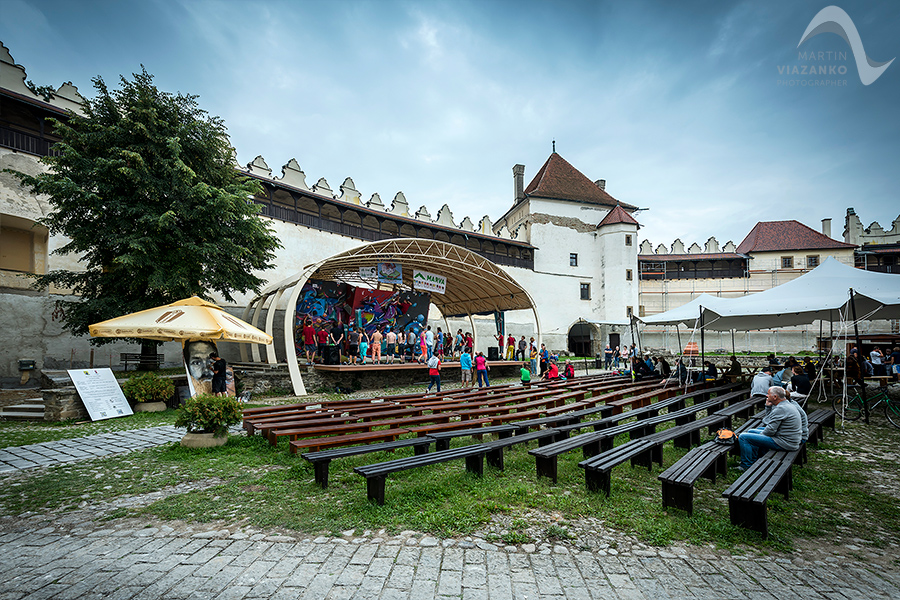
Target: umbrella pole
{"x":859,"y":358}
{"x":702,"y":344}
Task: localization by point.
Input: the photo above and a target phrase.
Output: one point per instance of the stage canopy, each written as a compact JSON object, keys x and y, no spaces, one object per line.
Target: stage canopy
{"x":821,"y":294}
{"x":474,"y":285}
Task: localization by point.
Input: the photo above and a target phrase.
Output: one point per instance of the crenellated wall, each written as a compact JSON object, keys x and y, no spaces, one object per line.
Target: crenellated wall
{"x":855,"y":233}
{"x":710,"y":247}
{"x":293,"y":175}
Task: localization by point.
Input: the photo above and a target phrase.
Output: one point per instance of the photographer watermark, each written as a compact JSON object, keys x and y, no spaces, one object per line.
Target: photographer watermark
{"x":828,"y":68}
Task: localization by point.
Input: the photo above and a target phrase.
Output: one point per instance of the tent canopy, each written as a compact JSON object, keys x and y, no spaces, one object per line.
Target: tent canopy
{"x":821,"y":294}
{"x":686,"y":314}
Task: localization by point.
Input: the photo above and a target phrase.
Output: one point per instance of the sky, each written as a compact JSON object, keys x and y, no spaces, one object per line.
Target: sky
{"x":688,"y":109}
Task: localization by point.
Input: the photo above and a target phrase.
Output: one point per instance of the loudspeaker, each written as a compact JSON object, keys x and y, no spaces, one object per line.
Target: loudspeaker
{"x":493,"y":353}
{"x":332,"y":355}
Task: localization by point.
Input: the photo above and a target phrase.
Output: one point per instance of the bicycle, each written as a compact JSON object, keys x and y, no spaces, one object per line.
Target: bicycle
{"x":852,"y":407}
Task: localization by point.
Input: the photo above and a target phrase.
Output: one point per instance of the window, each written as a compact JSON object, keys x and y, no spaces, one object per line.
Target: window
{"x":627,"y":274}
{"x":787,"y":262}
{"x":642,"y":311}
{"x":16,"y":249}
{"x":585,"y":291}
{"x":812,"y":261}
{"x":629,"y":311}
{"x":573,"y":260}
{"x":627,"y":240}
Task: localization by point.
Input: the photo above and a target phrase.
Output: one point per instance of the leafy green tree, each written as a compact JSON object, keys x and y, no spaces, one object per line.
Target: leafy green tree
{"x":145,"y":189}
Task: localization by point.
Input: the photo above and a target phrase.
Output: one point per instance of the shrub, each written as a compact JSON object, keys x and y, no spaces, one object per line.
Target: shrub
{"x":205,"y":413}
{"x":148,"y":387}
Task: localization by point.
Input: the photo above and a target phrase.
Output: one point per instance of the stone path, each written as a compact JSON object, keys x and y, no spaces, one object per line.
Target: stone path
{"x":93,"y":446}
{"x":160,"y":561}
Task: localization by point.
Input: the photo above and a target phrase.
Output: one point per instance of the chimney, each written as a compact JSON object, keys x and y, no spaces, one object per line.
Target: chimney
{"x":518,"y":177}
{"x":601,"y":183}
{"x":826,"y":227}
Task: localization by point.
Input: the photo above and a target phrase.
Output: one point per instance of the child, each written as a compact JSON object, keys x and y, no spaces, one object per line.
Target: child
{"x":363,"y":346}
{"x":434,"y":373}
{"x":465,"y":363}
{"x":526,"y":374}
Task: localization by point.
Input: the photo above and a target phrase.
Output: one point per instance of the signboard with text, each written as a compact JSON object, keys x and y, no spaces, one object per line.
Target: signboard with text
{"x":429,"y":282}
{"x":390,"y":272}
{"x":100,"y":392}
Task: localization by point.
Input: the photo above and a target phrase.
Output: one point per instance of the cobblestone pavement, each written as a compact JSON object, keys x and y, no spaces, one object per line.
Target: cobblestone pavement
{"x":93,"y":446}
{"x":141,"y":560}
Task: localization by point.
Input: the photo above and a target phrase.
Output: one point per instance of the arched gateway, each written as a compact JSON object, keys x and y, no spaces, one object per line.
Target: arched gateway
{"x":474,"y":285}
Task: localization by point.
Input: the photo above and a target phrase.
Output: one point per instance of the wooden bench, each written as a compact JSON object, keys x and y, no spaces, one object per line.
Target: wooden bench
{"x":442,"y":438}
{"x":495,"y":448}
{"x":294,"y":433}
{"x":819,"y":418}
{"x":382,"y":435}
{"x":136,"y":358}
{"x":322,"y":459}
{"x":707,"y":460}
{"x":748,"y":495}
{"x":449,"y":426}
{"x":376,"y":474}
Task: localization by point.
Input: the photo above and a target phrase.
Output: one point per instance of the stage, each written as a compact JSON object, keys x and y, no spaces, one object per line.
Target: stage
{"x":325,"y":378}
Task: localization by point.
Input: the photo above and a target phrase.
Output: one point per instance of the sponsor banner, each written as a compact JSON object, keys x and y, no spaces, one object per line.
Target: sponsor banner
{"x":423,"y":280}
{"x":390,"y":272}
{"x":368,"y":272}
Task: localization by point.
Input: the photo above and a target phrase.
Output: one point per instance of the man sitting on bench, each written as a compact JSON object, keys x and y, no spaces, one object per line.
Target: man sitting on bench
{"x":783,"y":429}
{"x":761,"y":382}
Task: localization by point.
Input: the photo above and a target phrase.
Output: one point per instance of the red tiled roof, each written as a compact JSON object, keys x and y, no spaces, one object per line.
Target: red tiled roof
{"x":559,"y":180}
{"x":617,"y":215}
{"x":769,"y":236}
{"x":682,"y":257}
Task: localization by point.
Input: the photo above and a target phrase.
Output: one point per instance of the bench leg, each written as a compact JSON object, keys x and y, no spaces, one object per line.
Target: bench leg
{"x":594,"y":448}
{"x":597,"y":481}
{"x":475,"y":464}
{"x":644,"y":459}
{"x":683,"y":441}
{"x":442,"y":444}
{"x":320,"y":468}
{"x":546,"y":467}
{"x":495,"y":458}
{"x":375,"y":489}
{"x":420,"y":449}
{"x":786,"y":484}
{"x":747,"y":514}
{"x":678,"y":496}
{"x":546,"y":441}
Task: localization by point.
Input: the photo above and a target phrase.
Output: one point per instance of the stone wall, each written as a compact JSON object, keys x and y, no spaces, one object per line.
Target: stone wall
{"x":63,"y":404}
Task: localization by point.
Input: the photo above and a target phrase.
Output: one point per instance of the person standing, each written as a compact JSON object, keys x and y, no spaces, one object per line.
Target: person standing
{"x":309,"y":340}
{"x":481,"y":368}
{"x":501,"y":343}
{"x":470,"y":343}
{"x":534,"y":358}
{"x":616,"y":357}
{"x":877,"y":359}
{"x":411,"y":342}
{"x":377,"y":338}
{"x":607,"y":357}
{"x":439,"y":344}
{"x":434,"y":373}
{"x":544,"y":358}
{"x":465,"y":365}
{"x":510,"y":347}
{"x":523,"y":347}
{"x":429,"y":343}
{"x":322,"y":336}
{"x":353,"y":344}
{"x":460,"y":341}
{"x":391,"y":339}
{"x":336,"y":337}
{"x":220,"y":375}
{"x":363,"y":345}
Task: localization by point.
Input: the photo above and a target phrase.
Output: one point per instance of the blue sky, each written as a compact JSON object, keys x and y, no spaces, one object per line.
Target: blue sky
{"x":679,"y":106}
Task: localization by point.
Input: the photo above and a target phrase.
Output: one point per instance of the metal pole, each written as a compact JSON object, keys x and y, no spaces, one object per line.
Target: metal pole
{"x":831,"y":347}
{"x":702,"y":341}
{"x":732,"y":343}
{"x":859,"y":358}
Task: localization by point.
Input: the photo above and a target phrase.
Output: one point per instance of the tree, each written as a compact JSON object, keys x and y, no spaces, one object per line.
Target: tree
{"x":144,"y":188}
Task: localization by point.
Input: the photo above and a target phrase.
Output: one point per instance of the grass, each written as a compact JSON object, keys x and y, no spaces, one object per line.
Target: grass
{"x":249,"y":482}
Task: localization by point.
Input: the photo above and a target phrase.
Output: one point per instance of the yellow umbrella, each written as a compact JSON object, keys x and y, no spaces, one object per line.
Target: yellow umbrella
{"x":190,"y":319}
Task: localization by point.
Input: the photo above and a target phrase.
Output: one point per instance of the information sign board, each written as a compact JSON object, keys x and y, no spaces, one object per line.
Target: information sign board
{"x":100,"y":392}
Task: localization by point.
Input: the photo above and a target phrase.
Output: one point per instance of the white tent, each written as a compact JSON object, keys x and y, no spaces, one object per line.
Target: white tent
{"x":687,"y":314}
{"x":821,"y":294}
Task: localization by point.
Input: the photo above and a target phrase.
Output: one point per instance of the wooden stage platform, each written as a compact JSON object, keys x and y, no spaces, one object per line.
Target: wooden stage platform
{"x":412,"y":366}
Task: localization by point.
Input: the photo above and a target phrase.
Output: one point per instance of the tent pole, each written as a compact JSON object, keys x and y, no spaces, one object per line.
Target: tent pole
{"x":831,"y":346}
{"x":732,"y":343}
{"x":678,"y":333}
{"x":859,"y":358}
{"x":702,"y":344}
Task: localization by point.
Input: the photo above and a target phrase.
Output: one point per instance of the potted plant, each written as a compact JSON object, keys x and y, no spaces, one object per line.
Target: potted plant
{"x":207,"y":419}
{"x":149,"y":391}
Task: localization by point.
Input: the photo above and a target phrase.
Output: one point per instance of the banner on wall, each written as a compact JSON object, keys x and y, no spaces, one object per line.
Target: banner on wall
{"x":429,"y":282}
{"x":389,"y":272}
{"x":368,"y":272}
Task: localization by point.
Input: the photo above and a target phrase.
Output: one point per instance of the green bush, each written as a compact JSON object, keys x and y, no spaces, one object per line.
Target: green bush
{"x":148,"y":387}
{"x":205,"y":413}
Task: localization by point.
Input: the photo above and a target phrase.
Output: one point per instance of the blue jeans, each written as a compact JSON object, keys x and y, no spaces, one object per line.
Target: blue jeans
{"x":435,"y":379}
{"x":482,"y":375}
{"x":750,"y":442}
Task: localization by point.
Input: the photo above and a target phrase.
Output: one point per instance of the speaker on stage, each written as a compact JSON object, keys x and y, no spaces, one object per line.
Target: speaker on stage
{"x":493,"y":353}
{"x":332,"y":355}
